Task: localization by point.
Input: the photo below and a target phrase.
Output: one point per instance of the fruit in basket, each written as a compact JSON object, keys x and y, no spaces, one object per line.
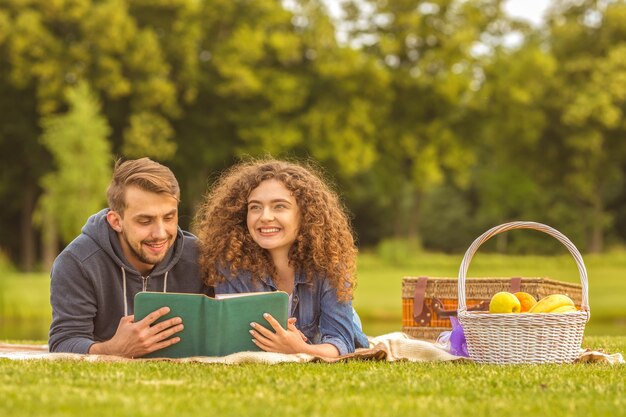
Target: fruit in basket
{"x":526,"y":300}
{"x":552,"y":302}
{"x":504,"y":302}
{"x":564,"y":309}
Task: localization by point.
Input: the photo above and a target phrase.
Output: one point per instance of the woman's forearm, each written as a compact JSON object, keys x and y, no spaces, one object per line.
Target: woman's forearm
{"x":326,"y":350}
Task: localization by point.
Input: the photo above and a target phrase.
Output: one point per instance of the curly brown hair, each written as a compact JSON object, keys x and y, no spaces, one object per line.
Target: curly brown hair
{"x":324,"y":247}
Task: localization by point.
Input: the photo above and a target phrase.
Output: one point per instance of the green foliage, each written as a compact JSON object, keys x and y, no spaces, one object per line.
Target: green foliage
{"x":5,"y":26}
{"x":55,"y":44}
{"x":445,"y":227}
{"x":149,"y":135}
{"x":420,"y":104}
{"x":590,"y":107}
{"x":427,"y":52}
{"x":78,"y":143}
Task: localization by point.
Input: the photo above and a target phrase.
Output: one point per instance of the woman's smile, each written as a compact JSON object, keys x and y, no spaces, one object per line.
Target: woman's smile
{"x":269,"y":230}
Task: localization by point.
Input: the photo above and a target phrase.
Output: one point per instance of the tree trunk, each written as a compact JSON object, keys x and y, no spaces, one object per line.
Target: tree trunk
{"x":27,"y":231}
{"x":50,"y":242}
{"x":399,"y":227}
{"x":414,"y":214}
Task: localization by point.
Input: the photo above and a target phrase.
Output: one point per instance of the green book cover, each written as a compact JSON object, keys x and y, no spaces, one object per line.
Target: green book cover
{"x":213,"y":326}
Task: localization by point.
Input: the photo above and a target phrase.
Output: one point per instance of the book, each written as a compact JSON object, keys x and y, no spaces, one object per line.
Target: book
{"x":213,"y":326}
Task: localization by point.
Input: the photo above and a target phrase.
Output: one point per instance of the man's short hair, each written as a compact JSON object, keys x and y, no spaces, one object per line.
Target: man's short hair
{"x":143,"y":173}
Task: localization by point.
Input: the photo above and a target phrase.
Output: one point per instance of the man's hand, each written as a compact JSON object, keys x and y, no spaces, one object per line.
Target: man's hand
{"x":134,"y":339}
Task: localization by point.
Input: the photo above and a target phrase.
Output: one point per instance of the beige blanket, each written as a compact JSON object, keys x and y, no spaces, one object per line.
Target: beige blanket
{"x":389,"y":347}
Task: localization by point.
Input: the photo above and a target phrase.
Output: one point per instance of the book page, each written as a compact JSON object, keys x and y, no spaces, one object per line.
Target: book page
{"x":241,"y":294}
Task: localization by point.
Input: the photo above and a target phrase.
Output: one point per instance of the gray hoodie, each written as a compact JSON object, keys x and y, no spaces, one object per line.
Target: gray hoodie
{"x":93,"y":286}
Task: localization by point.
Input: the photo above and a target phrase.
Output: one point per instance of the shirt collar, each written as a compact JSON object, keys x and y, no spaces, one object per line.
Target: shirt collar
{"x":299,"y":279}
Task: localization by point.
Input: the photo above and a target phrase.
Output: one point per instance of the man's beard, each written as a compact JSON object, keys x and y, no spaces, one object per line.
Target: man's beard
{"x":146,"y":259}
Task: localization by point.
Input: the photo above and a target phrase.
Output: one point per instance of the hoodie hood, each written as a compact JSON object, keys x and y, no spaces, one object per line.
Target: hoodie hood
{"x":99,"y":230}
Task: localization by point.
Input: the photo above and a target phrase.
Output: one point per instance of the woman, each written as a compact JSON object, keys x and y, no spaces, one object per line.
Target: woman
{"x":272,"y":225}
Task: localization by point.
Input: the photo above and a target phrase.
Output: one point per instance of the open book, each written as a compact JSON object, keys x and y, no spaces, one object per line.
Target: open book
{"x":213,"y":326}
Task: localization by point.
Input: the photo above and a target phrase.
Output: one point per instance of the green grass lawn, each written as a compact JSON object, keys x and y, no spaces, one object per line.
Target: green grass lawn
{"x":25,"y":312}
{"x":68,"y":388}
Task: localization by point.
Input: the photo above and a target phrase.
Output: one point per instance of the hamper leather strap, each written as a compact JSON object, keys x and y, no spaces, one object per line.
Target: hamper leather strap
{"x":420,"y":314}
{"x":516,"y":284}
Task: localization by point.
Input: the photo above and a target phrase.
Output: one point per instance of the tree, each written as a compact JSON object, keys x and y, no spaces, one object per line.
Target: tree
{"x":275,"y":81}
{"x":427,"y":48}
{"x":46,"y":47}
{"x":81,"y":152}
{"x":510,"y":179}
{"x":588,"y":39}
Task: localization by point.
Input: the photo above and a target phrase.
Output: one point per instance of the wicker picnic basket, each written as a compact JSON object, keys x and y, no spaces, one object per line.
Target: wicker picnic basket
{"x":523,"y":338}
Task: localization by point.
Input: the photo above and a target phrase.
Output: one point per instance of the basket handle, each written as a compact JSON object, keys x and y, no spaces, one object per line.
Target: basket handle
{"x":522,"y":225}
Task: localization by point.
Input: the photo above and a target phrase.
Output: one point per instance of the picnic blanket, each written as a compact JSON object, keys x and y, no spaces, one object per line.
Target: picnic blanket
{"x":390,"y":347}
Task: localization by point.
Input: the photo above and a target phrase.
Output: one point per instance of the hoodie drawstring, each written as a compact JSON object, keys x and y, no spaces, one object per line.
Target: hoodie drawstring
{"x":124,"y":288}
{"x":125,"y":300}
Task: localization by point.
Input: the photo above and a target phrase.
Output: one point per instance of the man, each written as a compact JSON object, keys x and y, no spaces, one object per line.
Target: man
{"x":134,"y":245}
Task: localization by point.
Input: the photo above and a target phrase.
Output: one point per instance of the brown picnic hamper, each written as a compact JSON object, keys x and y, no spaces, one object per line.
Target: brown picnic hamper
{"x":522,"y":338}
{"x":429,"y":302}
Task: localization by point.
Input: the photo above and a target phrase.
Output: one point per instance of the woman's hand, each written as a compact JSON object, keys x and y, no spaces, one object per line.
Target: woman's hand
{"x":290,"y":340}
{"x":292,"y":320}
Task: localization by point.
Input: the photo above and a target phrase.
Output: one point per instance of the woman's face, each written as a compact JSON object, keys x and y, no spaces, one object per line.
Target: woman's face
{"x":273,"y":217}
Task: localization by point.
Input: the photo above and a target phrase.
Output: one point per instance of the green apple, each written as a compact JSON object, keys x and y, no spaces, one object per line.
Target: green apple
{"x":504,"y":302}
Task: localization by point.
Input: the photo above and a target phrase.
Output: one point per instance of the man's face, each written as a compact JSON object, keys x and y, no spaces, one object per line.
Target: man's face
{"x":147,"y":228}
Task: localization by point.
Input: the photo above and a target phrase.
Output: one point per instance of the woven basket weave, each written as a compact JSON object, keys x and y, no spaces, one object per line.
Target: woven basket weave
{"x":523,"y":338}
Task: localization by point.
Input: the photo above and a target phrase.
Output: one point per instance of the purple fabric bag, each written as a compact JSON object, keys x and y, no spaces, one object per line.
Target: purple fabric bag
{"x":458,"y":345}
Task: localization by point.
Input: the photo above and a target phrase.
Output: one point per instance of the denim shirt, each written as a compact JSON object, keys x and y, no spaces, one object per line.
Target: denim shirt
{"x":320,"y":316}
